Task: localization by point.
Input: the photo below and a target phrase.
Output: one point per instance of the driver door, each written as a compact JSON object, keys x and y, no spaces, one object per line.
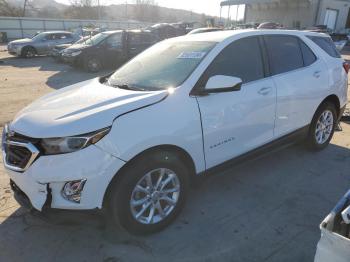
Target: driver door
{"x":236,"y":122}
{"x":113,"y":50}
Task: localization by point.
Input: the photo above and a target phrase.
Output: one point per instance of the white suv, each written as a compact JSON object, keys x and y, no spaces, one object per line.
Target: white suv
{"x":130,"y":142}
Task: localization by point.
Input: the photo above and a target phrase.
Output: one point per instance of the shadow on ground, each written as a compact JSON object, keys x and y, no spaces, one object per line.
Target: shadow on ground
{"x":66,"y":74}
{"x":266,"y":209}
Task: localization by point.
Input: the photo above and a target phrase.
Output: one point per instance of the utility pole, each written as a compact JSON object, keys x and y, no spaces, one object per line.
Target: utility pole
{"x":126,"y":9}
{"x":24,"y":8}
{"x":99,"y":9}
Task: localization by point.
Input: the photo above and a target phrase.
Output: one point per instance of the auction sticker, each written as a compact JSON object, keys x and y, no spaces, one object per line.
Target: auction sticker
{"x":191,"y":55}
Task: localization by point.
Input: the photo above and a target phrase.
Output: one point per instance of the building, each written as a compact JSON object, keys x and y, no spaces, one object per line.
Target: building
{"x":297,"y":14}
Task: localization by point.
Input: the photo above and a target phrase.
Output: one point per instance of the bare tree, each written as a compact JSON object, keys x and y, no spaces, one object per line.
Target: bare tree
{"x":83,"y":9}
{"x":9,"y":10}
{"x":147,"y":10}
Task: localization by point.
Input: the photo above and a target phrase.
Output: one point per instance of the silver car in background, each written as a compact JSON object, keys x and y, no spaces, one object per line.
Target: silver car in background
{"x":40,"y":44}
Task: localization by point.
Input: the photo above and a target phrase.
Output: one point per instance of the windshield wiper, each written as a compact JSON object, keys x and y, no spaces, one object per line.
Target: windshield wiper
{"x":127,"y":87}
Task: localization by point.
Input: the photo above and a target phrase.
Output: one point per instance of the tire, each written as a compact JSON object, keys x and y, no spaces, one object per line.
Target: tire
{"x":28,"y":52}
{"x":92,"y":64}
{"x":123,"y":192}
{"x":325,"y":119}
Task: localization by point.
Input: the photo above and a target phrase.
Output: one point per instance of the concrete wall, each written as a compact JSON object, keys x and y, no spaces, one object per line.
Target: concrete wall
{"x":343,"y":9}
{"x":288,"y":13}
{"x":292,"y":13}
{"x":20,"y":27}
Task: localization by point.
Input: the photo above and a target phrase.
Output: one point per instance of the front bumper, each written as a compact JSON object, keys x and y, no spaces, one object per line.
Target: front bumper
{"x":13,"y":50}
{"x":43,"y":181}
{"x":68,"y":59}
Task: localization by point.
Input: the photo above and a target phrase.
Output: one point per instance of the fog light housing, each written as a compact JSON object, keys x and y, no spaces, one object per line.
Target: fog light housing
{"x":71,"y":190}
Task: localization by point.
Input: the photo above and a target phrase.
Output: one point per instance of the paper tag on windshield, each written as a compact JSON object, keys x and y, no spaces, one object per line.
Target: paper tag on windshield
{"x":191,"y":55}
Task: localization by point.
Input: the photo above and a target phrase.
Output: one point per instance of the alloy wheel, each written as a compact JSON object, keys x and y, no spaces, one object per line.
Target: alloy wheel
{"x":155,"y":196}
{"x":324,"y":127}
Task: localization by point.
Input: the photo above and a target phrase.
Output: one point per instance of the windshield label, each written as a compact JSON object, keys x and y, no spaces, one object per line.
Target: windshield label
{"x":191,"y":55}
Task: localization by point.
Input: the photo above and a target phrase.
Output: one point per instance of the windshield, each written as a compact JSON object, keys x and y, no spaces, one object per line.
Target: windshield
{"x":39,"y":36}
{"x":167,"y":64}
{"x":96,"y":39}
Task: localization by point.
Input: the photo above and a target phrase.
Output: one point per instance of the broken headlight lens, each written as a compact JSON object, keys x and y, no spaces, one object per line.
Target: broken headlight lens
{"x":62,"y":145}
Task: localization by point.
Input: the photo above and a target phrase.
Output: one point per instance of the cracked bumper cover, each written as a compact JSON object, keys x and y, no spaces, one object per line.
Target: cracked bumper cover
{"x":42,"y":182}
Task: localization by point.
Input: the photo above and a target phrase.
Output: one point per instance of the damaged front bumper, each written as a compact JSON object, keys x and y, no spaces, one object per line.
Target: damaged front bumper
{"x":41,"y":185}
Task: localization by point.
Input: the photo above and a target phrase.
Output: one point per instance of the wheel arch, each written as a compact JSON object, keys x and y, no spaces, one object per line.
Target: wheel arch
{"x":334,"y":100}
{"x":180,"y":152}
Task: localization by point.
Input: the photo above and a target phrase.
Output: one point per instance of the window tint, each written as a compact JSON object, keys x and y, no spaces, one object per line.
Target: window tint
{"x":284,"y":53}
{"x":67,"y":36}
{"x":326,"y":44}
{"x":148,"y":38}
{"x":308,"y":56}
{"x":135,"y":39}
{"x":115,"y":40}
{"x":241,"y":59}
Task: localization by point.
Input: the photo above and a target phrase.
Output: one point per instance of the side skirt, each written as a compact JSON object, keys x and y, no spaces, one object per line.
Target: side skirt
{"x":274,"y":146}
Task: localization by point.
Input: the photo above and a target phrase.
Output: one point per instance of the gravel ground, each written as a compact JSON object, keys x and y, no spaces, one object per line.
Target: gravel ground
{"x":267,"y":209}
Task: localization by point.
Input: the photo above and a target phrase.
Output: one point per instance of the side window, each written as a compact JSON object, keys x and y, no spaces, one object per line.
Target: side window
{"x":67,"y":36}
{"x":135,"y":39}
{"x":148,"y":38}
{"x":115,"y":40}
{"x":284,"y":53}
{"x":50,"y":37}
{"x":308,"y":56}
{"x":326,"y":44}
{"x":241,"y":59}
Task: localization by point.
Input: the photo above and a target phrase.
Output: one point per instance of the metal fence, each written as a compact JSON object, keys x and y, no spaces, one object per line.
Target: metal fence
{"x":20,"y":27}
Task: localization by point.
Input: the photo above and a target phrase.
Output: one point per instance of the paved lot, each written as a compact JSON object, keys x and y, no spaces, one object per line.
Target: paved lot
{"x":267,"y":209}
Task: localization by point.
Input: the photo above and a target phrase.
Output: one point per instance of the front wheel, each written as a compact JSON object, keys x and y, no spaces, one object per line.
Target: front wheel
{"x":93,"y":64}
{"x":322,"y":126}
{"x":150,"y":193}
{"x":28,"y":52}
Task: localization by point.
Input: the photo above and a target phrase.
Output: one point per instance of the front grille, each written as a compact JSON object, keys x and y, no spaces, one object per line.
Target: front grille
{"x":17,"y":155}
{"x":18,"y":151}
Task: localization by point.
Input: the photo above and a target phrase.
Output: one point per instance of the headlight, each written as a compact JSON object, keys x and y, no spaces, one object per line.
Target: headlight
{"x":62,"y":145}
{"x":75,"y":53}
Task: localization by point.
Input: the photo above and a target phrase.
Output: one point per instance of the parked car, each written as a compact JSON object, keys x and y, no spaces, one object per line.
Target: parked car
{"x":340,"y":40}
{"x":165,"y":30}
{"x":131,"y":142}
{"x":56,"y":52}
{"x":40,"y":44}
{"x":204,"y":30}
{"x":108,"y":49}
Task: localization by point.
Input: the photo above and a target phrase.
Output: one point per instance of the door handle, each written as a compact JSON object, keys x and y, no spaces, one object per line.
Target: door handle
{"x":264,"y":91}
{"x":317,"y":74}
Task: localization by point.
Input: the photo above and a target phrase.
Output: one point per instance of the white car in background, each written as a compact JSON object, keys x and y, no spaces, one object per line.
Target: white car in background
{"x":132,"y":141}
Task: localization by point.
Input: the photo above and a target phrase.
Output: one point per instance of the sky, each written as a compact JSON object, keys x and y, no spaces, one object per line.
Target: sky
{"x":209,"y":7}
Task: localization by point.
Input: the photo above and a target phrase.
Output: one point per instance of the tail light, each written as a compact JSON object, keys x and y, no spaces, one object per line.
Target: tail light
{"x":346,"y":66}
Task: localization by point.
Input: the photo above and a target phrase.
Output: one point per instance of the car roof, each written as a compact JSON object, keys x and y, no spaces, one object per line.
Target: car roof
{"x":57,"y":32}
{"x":219,"y":36}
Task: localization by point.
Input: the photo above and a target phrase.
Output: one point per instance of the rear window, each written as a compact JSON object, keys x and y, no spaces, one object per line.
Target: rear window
{"x":284,"y":53}
{"x":326,"y":44}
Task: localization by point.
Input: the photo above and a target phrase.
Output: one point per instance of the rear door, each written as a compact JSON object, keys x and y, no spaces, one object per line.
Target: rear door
{"x":301,"y":81}
{"x":236,"y":122}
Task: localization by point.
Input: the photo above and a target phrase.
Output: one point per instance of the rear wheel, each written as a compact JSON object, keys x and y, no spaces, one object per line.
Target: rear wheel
{"x":150,"y":193}
{"x":322,"y":126}
{"x":28,"y":52}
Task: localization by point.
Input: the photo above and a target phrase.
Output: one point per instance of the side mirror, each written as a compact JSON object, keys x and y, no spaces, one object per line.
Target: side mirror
{"x":221,"y":83}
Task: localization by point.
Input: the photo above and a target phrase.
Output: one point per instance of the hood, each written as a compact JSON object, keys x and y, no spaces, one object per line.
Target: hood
{"x":76,"y":47}
{"x":78,"y":109}
{"x":61,"y":47}
{"x":21,"y":41}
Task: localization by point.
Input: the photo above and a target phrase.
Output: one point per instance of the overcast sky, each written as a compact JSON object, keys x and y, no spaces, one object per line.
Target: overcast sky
{"x":209,"y":7}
